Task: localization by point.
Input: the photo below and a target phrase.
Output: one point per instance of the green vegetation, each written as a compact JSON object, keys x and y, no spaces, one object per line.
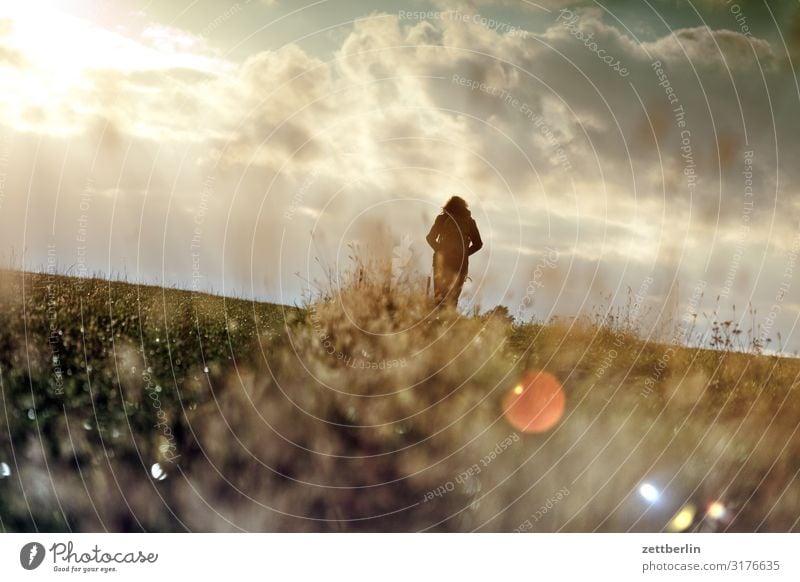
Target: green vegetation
{"x":367,"y":410}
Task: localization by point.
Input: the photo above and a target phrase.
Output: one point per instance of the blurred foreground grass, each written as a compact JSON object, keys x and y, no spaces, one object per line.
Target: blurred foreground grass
{"x":130,"y":408}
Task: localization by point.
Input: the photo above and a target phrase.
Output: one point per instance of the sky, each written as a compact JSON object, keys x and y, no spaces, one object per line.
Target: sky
{"x":608,"y":150}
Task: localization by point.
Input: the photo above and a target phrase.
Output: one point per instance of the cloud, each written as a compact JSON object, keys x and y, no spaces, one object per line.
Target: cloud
{"x":517,"y":4}
{"x":549,"y":143}
{"x":706,"y":48}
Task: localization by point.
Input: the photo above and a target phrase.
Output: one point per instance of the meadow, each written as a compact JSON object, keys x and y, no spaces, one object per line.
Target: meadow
{"x":136,"y":408}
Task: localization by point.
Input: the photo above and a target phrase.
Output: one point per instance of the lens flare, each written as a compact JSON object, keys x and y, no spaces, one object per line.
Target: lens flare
{"x":649,"y":492}
{"x":536,"y":404}
{"x":716,"y":510}
{"x":158,"y":472}
{"x":683,"y":519}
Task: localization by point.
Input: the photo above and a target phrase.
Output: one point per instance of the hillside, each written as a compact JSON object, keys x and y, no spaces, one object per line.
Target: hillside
{"x":130,"y":408}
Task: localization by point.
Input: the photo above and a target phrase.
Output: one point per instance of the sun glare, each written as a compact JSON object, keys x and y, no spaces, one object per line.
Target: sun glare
{"x":60,"y":58}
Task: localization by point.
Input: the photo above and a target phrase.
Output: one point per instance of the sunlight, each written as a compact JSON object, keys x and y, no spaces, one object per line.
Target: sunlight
{"x":65,"y":69}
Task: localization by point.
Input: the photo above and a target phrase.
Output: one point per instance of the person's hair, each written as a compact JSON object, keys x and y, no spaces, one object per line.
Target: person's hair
{"x":456,"y":207}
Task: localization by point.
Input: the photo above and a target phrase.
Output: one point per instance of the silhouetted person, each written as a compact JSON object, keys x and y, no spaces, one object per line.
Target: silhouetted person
{"x":453,"y":238}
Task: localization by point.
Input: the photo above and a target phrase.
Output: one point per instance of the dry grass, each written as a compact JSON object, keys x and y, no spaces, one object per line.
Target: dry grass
{"x":365,"y":408}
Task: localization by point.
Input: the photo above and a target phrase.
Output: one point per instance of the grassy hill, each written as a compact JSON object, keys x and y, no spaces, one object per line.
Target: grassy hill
{"x":130,"y":408}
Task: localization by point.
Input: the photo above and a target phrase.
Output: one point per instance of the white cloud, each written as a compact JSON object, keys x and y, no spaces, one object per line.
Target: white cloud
{"x":382,"y":120}
{"x":71,"y":72}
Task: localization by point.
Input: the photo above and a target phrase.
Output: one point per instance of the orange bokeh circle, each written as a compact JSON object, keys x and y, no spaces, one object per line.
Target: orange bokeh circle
{"x":536,"y":403}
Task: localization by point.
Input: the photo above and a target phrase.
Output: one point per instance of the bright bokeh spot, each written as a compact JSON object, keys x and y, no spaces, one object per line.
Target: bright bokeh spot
{"x":536,"y":404}
{"x":716,"y":510}
{"x":649,"y":492}
{"x":683,"y":519}
{"x":158,"y":472}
